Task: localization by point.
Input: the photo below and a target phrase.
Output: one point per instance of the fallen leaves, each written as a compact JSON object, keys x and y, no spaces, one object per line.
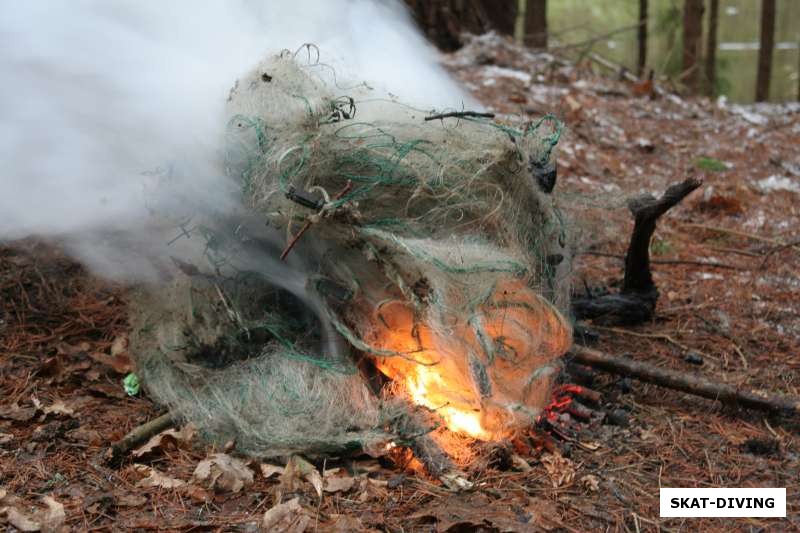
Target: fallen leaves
{"x":560,"y":470}
{"x":296,"y":469}
{"x":336,"y":480}
{"x":221,"y":471}
{"x":48,"y":520}
{"x":288,"y":516}
{"x":58,"y":407}
{"x":590,"y":482}
{"x":54,"y":518}
{"x":477,"y":512}
{"x":168,"y":438}
{"x":156,"y":479}
{"x":16,"y":413}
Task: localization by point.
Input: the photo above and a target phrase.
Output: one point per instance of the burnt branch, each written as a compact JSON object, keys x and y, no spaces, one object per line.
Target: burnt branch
{"x":646,"y":211}
{"x":460,"y":114}
{"x":688,"y":383}
{"x":636,"y":301}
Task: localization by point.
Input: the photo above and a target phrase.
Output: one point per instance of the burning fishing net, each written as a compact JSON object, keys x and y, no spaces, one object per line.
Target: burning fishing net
{"x":436,"y":262}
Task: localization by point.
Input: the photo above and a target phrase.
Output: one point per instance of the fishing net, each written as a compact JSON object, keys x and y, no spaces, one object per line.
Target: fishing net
{"x":429,"y":252}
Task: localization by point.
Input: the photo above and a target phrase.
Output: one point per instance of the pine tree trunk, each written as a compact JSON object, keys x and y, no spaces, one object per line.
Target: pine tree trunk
{"x":711,"y":49}
{"x":519,"y":23}
{"x":692,"y":34}
{"x":536,"y":27}
{"x":444,"y":21}
{"x":642,"y":38}
{"x":765,"y":50}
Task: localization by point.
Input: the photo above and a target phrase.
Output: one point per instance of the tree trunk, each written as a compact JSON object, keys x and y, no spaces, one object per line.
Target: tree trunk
{"x":765,"y":50}
{"x":536,"y":27}
{"x":501,"y":14}
{"x":642,"y":38}
{"x":443,"y":21}
{"x":519,"y":23}
{"x":711,"y":49}
{"x":692,"y":34}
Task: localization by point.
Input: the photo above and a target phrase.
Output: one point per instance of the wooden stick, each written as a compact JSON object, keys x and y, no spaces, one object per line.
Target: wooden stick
{"x":696,"y":385}
{"x":460,"y":114}
{"x":138,"y":435}
{"x":714,"y":264}
{"x":309,"y":222}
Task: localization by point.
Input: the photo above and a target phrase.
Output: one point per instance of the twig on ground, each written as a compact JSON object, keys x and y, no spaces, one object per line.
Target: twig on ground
{"x":744,"y":234}
{"x":714,"y":264}
{"x":138,"y":436}
{"x":460,"y":114}
{"x":691,"y":384}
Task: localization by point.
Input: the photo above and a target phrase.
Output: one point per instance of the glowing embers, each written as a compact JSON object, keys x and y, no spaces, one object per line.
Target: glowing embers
{"x":486,"y":370}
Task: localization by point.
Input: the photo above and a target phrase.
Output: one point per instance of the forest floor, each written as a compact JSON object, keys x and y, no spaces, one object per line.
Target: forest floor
{"x":726,"y":263}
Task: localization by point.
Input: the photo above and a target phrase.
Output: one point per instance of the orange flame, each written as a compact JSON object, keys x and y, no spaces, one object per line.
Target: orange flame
{"x":438,"y":372}
{"x":421,"y":380}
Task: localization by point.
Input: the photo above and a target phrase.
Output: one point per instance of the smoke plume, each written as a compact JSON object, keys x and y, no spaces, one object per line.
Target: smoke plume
{"x":114,"y":111}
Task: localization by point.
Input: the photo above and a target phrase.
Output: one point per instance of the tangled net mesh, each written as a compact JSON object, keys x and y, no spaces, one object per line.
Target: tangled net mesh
{"x":438,"y":258}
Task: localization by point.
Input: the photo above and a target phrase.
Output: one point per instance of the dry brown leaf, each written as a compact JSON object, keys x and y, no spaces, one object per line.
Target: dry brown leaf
{"x":17,"y":413}
{"x":198,"y":494}
{"x":339,"y":483}
{"x":341,"y":523}
{"x":224,"y":472}
{"x":297,"y":468}
{"x":119,"y":345}
{"x":288,"y":516}
{"x":518,"y":463}
{"x":107,"y":389}
{"x":590,"y":482}
{"x":560,"y":470}
{"x":5,"y":438}
{"x":89,"y":436}
{"x":125,"y":499}
{"x":121,"y":363}
{"x":53,"y":519}
{"x":372,"y":489}
{"x":169,"y":437}
{"x":156,"y":479}
{"x":477,"y":512}
{"x":18,"y":520}
{"x":58,"y":407}
{"x":64,"y":348}
{"x":268,"y":470}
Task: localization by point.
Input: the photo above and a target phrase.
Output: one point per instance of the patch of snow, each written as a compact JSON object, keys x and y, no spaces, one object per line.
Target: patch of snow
{"x":749,"y":115}
{"x":708,"y":276}
{"x":503,"y":72}
{"x":580,"y":84}
{"x":778,"y":183}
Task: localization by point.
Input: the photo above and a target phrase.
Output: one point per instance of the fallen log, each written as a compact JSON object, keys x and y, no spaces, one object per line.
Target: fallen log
{"x":688,"y":383}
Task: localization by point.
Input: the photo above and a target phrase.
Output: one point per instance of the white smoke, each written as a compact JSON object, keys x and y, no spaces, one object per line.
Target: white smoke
{"x":101,"y":98}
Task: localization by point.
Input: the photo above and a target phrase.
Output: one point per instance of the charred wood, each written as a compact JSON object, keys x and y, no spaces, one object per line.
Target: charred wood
{"x":636,"y":301}
{"x":688,"y":383}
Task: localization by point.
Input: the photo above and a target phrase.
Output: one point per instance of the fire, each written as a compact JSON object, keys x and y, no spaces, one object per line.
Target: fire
{"x":443,"y":362}
{"x":418,"y":384}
